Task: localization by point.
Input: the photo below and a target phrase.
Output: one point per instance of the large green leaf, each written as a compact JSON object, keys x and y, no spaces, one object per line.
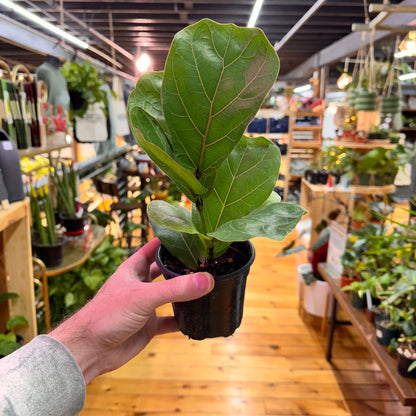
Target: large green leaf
{"x":244,"y":181}
{"x":148,"y":127}
{"x":274,"y":220}
{"x":216,"y":78}
{"x":173,"y":226}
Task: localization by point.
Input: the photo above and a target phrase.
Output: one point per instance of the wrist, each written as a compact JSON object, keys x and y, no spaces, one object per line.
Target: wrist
{"x":77,"y":338}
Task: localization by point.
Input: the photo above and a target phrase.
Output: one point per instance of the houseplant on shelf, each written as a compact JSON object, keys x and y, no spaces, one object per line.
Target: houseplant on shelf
{"x":71,"y":213}
{"x":47,"y":242}
{"x":85,"y":87}
{"x":190,"y":120}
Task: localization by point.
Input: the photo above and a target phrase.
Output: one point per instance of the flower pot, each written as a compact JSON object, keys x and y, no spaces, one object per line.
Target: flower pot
{"x":403,"y":364}
{"x":357,"y":301}
{"x":219,"y":313}
{"x":73,"y":226}
{"x":51,"y":255}
{"x":385,"y":334}
{"x":345,"y":281}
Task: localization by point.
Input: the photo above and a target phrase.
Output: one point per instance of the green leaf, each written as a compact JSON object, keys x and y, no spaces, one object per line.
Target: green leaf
{"x":175,"y":217}
{"x":173,"y":226}
{"x":216,"y":77}
{"x":148,"y":128}
{"x":70,"y":299}
{"x":15,"y":321}
{"x":244,"y":181}
{"x":93,"y":278}
{"x":7,"y":296}
{"x":274,"y":220}
{"x":8,"y":344}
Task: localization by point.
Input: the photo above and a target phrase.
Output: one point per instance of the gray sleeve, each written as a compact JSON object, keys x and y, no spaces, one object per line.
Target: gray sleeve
{"x":40,"y":379}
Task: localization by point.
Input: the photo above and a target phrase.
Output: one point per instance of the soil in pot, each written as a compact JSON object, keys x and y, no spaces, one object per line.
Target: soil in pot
{"x":384,"y":333}
{"x":404,"y":359}
{"x":220,"y":312}
{"x":51,"y":255}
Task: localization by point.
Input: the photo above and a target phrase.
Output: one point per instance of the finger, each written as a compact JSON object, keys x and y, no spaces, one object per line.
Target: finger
{"x":140,"y":261}
{"x":154,"y":271}
{"x":178,"y":289}
{"x":166,"y":325}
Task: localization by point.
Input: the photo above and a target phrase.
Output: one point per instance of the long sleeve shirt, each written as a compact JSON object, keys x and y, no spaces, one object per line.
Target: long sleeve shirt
{"x":40,"y":379}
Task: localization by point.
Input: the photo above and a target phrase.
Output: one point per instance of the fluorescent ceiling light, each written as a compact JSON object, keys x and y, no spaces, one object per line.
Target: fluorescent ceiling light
{"x":411,"y":75}
{"x":41,"y":22}
{"x":302,"y":88}
{"x":143,"y":62}
{"x":255,"y":13}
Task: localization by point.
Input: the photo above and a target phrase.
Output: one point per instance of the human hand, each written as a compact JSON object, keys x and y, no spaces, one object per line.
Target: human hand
{"x":121,"y":320}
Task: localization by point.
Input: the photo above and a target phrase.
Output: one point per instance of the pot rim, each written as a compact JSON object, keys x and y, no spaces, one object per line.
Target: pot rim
{"x":60,"y":241}
{"x":217,"y":278}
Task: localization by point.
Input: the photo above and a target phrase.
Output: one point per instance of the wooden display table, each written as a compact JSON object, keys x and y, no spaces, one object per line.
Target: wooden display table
{"x":76,"y":252}
{"x":320,"y":201}
{"x":405,"y":388}
{"x":16,"y":267}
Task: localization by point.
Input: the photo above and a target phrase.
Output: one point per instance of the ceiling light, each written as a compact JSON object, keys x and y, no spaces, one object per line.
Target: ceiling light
{"x":46,"y":25}
{"x":302,"y":88}
{"x":255,"y":13}
{"x":410,"y":75}
{"x":344,"y":80}
{"x":400,"y":54}
{"x":143,"y":62}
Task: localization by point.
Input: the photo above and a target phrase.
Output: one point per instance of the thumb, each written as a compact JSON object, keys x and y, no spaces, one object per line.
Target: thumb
{"x":178,"y":289}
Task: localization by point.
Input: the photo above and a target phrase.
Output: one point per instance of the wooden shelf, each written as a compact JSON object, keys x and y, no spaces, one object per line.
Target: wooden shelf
{"x":308,"y":114}
{"x":405,"y":388}
{"x":16,"y":271}
{"x":307,"y":128}
{"x":33,"y":151}
{"x":366,"y":145}
{"x":306,"y":144}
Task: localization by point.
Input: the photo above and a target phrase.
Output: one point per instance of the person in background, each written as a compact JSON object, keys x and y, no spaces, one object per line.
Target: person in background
{"x":48,"y":375}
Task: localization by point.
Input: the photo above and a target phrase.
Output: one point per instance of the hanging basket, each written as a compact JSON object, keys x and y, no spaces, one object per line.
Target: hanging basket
{"x":390,"y":104}
{"x":352,"y":93}
{"x":365,"y":100}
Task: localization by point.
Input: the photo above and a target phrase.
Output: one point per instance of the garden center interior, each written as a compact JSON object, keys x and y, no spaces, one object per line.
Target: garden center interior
{"x":89,"y":173}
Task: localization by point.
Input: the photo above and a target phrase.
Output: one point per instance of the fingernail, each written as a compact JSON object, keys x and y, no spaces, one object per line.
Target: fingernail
{"x":202,"y":281}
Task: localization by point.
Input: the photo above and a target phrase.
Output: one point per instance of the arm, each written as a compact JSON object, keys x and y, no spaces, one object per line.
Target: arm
{"x":110,"y":330}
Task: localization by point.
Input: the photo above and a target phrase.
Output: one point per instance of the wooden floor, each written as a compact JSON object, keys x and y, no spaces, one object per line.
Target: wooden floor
{"x":273,"y":365}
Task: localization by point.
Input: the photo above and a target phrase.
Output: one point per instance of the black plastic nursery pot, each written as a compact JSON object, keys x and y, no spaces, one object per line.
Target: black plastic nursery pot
{"x":73,"y":226}
{"x":51,"y":255}
{"x":384,"y":333}
{"x":403,"y":364}
{"x":220,"y":312}
{"x":357,"y":301}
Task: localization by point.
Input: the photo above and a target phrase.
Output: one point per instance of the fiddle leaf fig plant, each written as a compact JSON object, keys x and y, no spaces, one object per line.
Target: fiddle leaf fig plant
{"x":190,"y":120}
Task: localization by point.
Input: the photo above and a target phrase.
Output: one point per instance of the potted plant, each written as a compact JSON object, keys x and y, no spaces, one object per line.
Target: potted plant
{"x":359,"y":215}
{"x":85,"y":87}
{"x":9,"y":341}
{"x":47,"y":242}
{"x":71,"y":213}
{"x":190,"y":120}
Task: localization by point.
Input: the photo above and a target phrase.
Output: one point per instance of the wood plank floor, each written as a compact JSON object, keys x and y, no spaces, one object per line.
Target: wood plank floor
{"x":273,"y":365}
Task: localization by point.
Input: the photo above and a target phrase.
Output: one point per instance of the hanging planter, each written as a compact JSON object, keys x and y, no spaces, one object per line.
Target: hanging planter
{"x":366,"y":101}
{"x":390,"y":104}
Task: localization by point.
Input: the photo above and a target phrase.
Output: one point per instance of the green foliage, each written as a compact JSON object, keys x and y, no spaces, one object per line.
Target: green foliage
{"x":8,"y":341}
{"x":71,"y":290}
{"x":64,"y":179}
{"x":190,"y":120}
{"x":43,"y":218}
{"x":85,"y":80}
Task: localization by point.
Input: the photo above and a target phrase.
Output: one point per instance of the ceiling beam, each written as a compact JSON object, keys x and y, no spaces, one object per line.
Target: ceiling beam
{"x":347,"y":46}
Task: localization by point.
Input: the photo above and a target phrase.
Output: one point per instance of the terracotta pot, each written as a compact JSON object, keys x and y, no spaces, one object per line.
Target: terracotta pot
{"x":220,"y":312}
{"x":345,"y":281}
